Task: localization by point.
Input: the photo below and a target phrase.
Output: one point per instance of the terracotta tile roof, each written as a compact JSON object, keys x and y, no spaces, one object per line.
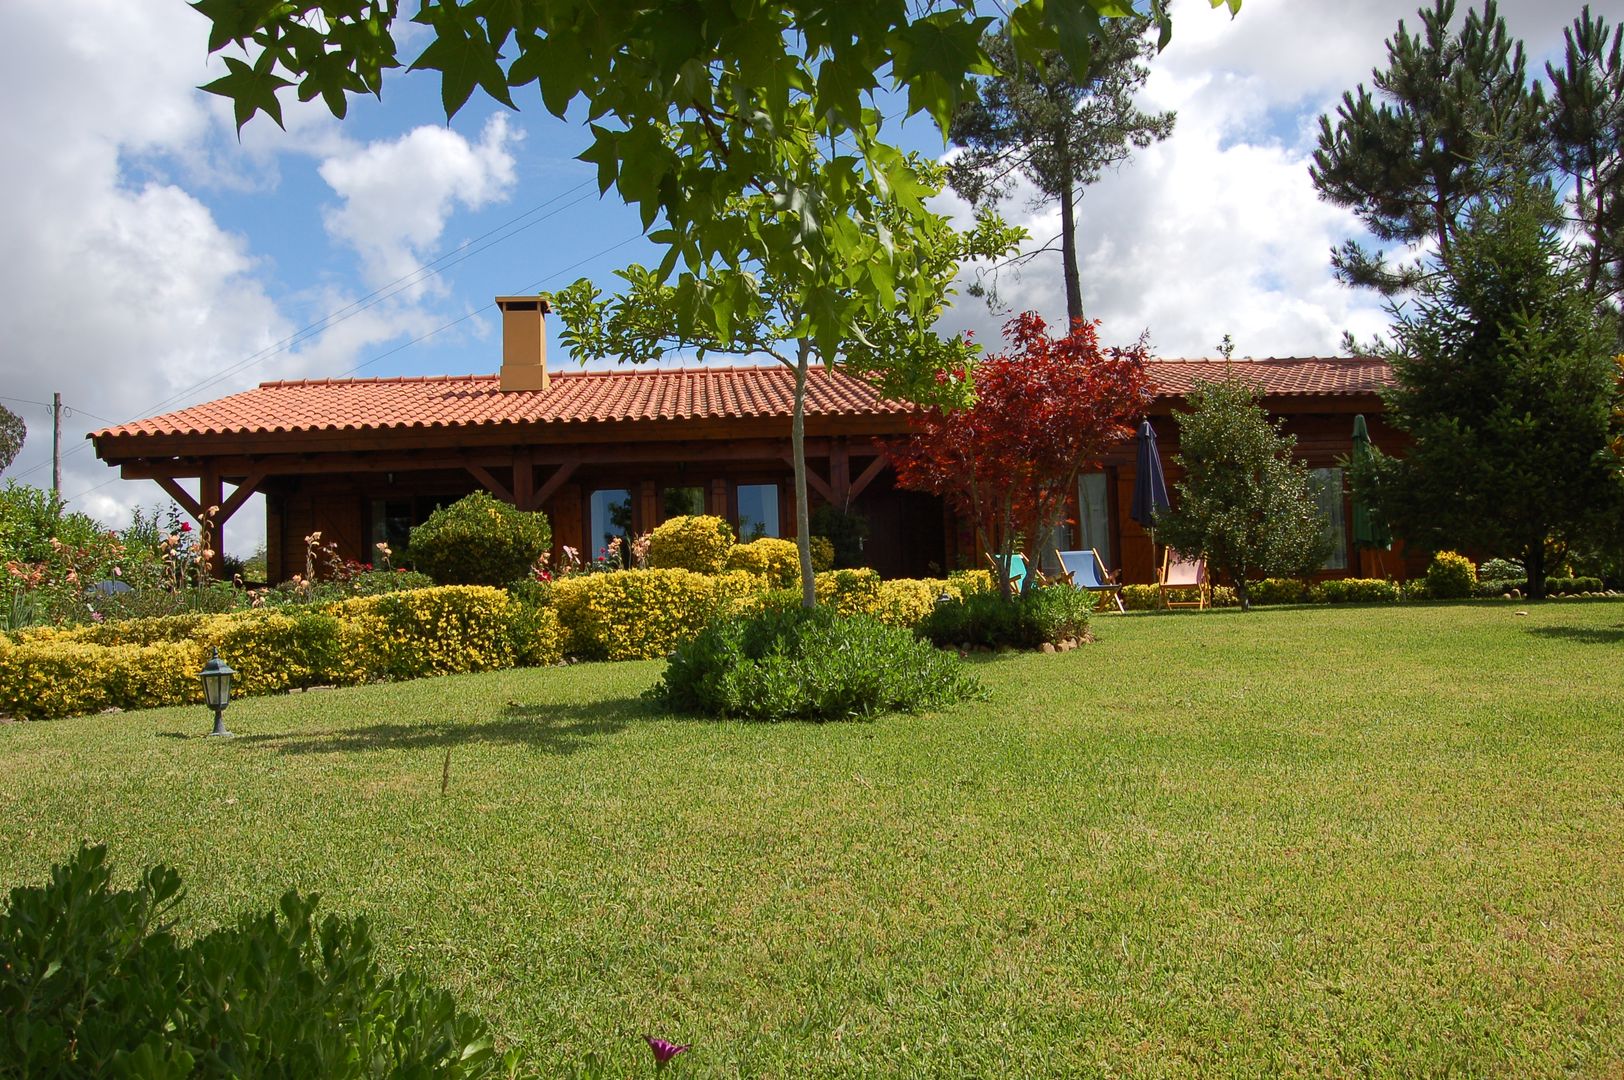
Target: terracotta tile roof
{"x":1277,"y":376}
{"x":640,"y":394}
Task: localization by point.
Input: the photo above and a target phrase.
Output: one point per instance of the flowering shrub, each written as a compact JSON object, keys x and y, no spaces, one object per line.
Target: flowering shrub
{"x":849,"y":592}
{"x":643,"y":614}
{"x":906,"y":601}
{"x":1276,"y":590}
{"x":138,"y":663}
{"x":1451,"y":576}
{"x":480,"y":540}
{"x":1354,"y":591}
{"x":699,"y":543}
{"x":795,"y":664}
{"x":779,"y":561}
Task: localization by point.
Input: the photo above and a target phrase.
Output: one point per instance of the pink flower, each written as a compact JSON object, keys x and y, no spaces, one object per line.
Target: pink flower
{"x":663,"y":1049}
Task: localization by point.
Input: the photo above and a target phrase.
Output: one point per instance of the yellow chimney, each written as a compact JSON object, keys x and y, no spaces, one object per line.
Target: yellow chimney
{"x":524,"y":342}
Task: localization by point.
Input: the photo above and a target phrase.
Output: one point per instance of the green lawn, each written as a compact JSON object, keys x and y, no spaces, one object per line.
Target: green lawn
{"x":1383,"y":841}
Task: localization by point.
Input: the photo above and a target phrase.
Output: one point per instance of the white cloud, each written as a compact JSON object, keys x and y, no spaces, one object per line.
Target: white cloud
{"x":1219,"y":230}
{"x":397,"y":195}
{"x":120,"y":288}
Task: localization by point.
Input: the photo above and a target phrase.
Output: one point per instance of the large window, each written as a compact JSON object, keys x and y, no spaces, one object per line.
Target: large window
{"x":758,"y":511}
{"x":682,"y":502}
{"x":392,"y":521}
{"x":1094,"y":515}
{"x":1329,"y":492}
{"x":611,"y":517}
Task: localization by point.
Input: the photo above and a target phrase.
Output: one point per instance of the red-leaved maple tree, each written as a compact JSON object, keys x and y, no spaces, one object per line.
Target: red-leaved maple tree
{"x":1045,"y":410}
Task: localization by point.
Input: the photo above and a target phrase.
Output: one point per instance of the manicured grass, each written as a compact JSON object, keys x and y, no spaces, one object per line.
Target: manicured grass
{"x":1380,"y":841}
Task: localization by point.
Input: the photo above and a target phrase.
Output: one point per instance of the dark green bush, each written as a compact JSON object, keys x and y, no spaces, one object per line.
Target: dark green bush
{"x":1567,"y":586}
{"x":794,"y":664}
{"x":1488,"y":588}
{"x":93,"y":983}
{"x":479,"y":540}
{"x":1045,"y":615}
{"x":1501,"y":570}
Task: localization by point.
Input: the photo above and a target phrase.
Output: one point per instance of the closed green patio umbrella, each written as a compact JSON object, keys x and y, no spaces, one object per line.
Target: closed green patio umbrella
{"x":1369,"y":531}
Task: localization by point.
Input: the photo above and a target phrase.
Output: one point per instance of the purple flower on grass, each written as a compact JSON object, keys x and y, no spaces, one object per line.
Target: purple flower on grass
{"x":664,"y":1050}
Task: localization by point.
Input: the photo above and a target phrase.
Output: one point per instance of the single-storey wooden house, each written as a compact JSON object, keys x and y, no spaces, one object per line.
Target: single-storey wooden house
{"x":606,"y":453}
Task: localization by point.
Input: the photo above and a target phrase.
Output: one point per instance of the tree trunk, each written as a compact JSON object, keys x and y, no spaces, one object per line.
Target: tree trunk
{"x":1068,"y":251}
{"x":797,"y":439}
{"x":1534,"y":564}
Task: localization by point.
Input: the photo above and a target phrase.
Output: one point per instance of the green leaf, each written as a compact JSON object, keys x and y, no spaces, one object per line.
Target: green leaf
{"x":250,"y":91}
{"x":465,"y":59}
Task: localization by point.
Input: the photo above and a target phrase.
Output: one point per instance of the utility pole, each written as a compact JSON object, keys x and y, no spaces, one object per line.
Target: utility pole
{"x":56,"y":444}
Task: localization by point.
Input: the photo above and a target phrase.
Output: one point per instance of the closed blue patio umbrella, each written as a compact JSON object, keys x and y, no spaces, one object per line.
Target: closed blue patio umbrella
{"x":1149,"y":487}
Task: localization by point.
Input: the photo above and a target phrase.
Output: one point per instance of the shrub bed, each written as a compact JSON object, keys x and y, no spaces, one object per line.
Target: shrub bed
{"x":795,"y":664}
{"x":144,"y":663}
{"x":1047,"y":615}
{"x":1354,"y":591}
{"x":1146,"y":598}
{"x":643,"y":614}
{"x":1278,"y":591}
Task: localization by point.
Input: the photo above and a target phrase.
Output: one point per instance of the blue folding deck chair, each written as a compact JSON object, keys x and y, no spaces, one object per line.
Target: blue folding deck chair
{"x":1086,"y":570}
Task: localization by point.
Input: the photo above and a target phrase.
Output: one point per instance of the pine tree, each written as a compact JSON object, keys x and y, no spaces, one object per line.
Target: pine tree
{"x":1057,"y":129}
{"x":1587,"y":136}
{"x":1504,"y":382}
{"x":1451,"y":117}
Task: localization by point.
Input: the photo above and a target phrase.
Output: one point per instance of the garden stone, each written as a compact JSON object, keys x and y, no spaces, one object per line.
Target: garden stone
{"x":1047,"y":648}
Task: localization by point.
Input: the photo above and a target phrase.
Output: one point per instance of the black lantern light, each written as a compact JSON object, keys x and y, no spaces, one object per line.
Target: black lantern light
{"x":216,"y":676}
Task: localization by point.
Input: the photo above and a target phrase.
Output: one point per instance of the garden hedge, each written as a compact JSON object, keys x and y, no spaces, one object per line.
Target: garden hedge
{"x":142,"y":663}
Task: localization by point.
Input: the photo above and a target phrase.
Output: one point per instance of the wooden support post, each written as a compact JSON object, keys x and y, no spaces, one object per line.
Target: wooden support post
{"x":840,"y":473}
{"x":491,"y":483}
{"x":718,"y":497}
{"x":867,"y":476}
{"x":524,"y":481}
{"x":648,"y":509}
{"x":211,"y":496}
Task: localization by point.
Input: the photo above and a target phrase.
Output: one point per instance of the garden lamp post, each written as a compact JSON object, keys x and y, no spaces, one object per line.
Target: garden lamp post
{"x":216,"y":676}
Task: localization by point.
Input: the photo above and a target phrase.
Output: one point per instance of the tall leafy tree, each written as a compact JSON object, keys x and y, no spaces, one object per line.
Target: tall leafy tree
{"x":1058,"y":127}
{"x":1044,"y":411}
{"x":1243,"y":503}
{"x":1451,"y":116}
{"x":1587,"y":137}
{"x":760,"y":309}
{"x":12,"y":433}
{"x":1504,"y":381}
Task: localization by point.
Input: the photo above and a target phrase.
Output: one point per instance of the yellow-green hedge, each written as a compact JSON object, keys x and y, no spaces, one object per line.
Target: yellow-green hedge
{"x":849,"y":592}
{"x":906,"y":601}
{"x":697,"y":542}
{"x":779,"y":561}
{"x":44,"y":679}
{"x":410,"y":634}
{"x":644,"y":614}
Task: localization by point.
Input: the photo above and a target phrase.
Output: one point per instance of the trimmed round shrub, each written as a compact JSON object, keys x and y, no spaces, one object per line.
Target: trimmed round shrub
{"x":699,"y":543}
{"x":789,"y":663}
{"x":480,"y":540}
{"x":779,"y":561}
{"x":1451,"y":576}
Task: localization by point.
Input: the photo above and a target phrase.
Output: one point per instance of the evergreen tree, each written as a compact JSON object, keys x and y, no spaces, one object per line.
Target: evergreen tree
{"x":1587,"y":137}
{"x":1243,"y":503}
{"x":1451,"y":117}
{"x":1057,"y":128}
{"x":1504,"y":383}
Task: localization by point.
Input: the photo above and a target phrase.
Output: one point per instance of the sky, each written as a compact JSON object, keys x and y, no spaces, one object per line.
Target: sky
{"x":154,"y":259}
